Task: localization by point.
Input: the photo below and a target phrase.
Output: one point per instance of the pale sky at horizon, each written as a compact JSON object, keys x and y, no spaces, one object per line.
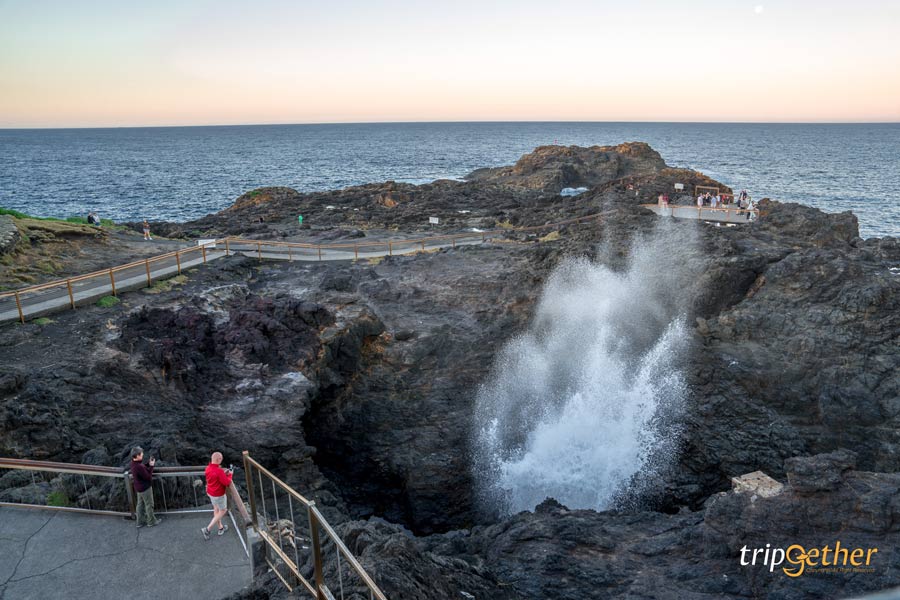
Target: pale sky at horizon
{"x":92,"y":64}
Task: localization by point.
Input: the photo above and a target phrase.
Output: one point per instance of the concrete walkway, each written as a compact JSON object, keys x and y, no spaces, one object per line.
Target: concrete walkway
{"x":46,"y":554}
{"x":87,"y":291}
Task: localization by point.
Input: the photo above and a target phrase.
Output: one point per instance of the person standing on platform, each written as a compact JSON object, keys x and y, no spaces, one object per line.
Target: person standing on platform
{"x":142,"y":476}
{"x":217,"y":482}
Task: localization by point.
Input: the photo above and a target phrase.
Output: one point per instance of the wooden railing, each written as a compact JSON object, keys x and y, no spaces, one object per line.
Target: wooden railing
{"x":36,"y":300}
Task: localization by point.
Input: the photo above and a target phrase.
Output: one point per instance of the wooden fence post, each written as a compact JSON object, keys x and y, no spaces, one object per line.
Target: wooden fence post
{"x":355,"y":252}
{"x":178,"y":260}
{"x":227,"y":251}
{"x":390,"y":248}
{"x":71,"y":295}
{"x":147,"y":264}
{"x":203,"y":248}
{"x":19,"y":306}
{"x":112,"y":281}
{"x":319,"y":576}
{"x":320,"y":252}
{"x":259,"y":251}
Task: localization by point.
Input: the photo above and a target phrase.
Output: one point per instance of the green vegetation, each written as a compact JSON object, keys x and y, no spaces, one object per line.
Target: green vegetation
{"x":107,"y":301}
{"x":57,"y":498}
{"x":164,"y":285}
{"x":254,"y":193}
{"x":42,"y":321}
{"x":74,"y":220}
{"x":83,"y":221}
{"x":48,"y":266}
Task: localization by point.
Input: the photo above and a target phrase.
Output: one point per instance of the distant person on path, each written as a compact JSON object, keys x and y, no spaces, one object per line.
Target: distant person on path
{"x":143,"y":485}
{"x":147,"y":230}
{"x":217,"y":481}
{"x":700,"y":201}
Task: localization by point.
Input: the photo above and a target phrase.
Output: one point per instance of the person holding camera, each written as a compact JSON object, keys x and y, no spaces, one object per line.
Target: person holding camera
{"x":142,"y":476}
{"x":217,"y":481}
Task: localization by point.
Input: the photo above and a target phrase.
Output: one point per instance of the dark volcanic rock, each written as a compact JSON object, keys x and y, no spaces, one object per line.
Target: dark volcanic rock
{"x":552,"y":168}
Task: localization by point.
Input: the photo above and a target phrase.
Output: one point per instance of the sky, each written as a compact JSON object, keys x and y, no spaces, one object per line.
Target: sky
{"x":199,"y":62}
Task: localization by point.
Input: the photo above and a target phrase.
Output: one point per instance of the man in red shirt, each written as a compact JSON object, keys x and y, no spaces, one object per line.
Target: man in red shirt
{"x":217,"y":481}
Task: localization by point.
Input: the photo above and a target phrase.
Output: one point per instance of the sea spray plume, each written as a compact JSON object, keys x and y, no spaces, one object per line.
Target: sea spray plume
{"x":585,"y":403}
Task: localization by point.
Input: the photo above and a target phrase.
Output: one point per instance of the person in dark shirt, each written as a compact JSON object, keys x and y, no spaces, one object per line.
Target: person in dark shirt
{"x":142,"y":476}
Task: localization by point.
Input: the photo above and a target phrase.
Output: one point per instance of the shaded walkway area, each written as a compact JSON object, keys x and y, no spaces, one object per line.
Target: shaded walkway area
{"x":46,"y":554}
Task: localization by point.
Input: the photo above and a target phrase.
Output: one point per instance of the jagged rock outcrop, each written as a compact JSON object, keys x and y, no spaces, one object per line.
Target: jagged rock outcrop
{"x":552,"y":168}
{"x":9,"y":234}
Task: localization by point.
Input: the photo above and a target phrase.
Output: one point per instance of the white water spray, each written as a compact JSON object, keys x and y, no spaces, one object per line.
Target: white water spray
{"x":583,"y":406}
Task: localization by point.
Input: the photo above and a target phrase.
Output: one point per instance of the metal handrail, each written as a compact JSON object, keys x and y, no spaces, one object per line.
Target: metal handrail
{"x":124,"y":474}
{"x":317,"y":588}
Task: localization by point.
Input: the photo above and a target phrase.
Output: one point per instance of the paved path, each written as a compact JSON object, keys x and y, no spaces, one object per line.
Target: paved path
{"x":84,"y":292}
{"x":46,"y":554}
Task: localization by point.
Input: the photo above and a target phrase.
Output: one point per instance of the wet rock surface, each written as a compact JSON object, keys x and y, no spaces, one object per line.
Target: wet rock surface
{"x":355,"y":383}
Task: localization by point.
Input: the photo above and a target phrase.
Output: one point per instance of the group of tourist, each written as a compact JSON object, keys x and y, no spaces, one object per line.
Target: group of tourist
{"x":741,"y":201}
{"x":217,"y":482}
{"x":707,"y":200}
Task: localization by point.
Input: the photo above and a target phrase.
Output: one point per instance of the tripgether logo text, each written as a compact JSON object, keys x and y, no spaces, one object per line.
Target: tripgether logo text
{"x":799,"y":559}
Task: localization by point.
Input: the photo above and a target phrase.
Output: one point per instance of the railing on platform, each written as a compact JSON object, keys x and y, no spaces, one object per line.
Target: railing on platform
{"x":725,"y":214}
{"x":36,"y":300}
{"x":100,"y":490}
{"x":302,"y":548}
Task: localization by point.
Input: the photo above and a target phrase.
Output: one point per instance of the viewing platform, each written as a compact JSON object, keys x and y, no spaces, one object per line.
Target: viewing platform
{"x":719,"y":215}
{"x":49,"y":554}
{"x":69,"y":530}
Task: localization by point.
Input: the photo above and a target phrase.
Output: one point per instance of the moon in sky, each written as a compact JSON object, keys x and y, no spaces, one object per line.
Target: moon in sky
{"x":758,"y":9}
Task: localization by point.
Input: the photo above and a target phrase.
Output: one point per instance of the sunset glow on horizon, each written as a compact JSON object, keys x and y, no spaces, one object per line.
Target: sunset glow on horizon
{"x":94,"y":64}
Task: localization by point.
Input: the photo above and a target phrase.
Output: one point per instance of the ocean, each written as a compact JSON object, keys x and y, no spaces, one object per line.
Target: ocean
{"x":181,"y":173}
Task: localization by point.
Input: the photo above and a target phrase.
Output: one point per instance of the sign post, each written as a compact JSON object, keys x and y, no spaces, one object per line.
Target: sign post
{"x":433,"y":221}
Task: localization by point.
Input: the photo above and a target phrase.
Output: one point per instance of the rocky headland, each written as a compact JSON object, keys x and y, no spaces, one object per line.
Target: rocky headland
{"x":356,"y":382}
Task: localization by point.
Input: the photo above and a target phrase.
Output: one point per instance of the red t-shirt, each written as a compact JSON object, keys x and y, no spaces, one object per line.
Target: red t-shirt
{"x":216,"y":480}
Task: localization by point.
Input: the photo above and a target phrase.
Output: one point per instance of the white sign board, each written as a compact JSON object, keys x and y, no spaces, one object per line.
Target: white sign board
{"x":207,"y":243}
{"x":679,"y":187}
{"x":434,"y":220}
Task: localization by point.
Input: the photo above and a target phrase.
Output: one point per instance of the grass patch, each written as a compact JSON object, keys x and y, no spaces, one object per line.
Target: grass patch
{"x":49,"y":266}
{"x":375,"y":260}
{"x":551,"y":237}
{"x":83,"y":221}
{"x":58,"y":498}
{"x":505,"y":225}
{"x":107,"y":301}
{"x":42,"y":321}
{"x":164,"y":285}
{"x":74,"y":220}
